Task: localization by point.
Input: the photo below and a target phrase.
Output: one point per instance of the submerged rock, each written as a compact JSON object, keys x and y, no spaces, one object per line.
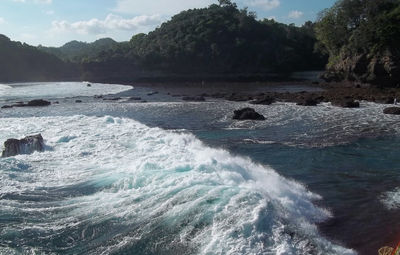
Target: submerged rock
{"x":265,"y":100}
{"x":27,"y":145}
{"x":346,"y":103}
{"x":392,"y":110}
{"x":247,"y":114}
{"x":194,"y":99}
{"x":308,"y":102}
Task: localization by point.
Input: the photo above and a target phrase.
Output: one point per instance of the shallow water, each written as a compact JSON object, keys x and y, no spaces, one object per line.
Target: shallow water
{"x":171,"y":177}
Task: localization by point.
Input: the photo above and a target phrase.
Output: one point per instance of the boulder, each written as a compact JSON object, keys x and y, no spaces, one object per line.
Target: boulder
{"x":247,"y":114}
{"x":27,"y":145}
{"x":38,"y":102}
{"x":392,"y":110}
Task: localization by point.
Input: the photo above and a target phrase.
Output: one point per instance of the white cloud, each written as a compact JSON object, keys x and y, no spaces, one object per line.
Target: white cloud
{"x":50,"y":12}
{"x":163,"y":7}
{"x":2,"y":21}
{"x":265,"y":4}
{"x":295,"y":14}
{"x":110,"y":23}
{"x":35,"y":1}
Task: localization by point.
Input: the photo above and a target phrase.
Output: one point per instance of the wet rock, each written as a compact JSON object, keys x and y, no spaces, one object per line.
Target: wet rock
{"x":135,"y":98}
{"x":89,"y":85}
{"x":392,"y":110}
{"x":38,"y":102}
{"x":247,"y":114}
{"x":308,"y":102}
{"x":6,"y":107}
{"x":265,"y":100}
{"x":78,"y":101}
{"x":152,"y":93}
{"x":238,"y":97}
{"x":194,"y":99}
{"x":27,"y":145}
{"x":346,"y":103}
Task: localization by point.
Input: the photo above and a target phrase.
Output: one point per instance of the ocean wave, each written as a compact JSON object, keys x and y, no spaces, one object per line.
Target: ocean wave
{"x":147,"y":190}
{"x":392,"y":199}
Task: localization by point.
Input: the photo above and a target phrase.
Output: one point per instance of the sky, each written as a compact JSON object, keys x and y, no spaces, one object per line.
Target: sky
{"x":56,"y":22}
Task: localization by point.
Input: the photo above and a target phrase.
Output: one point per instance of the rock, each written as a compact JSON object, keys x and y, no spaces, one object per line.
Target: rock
{"x":266,"y":100}
{"x":27,"y":145}
{"x":152,"y":93}
{"x":98,"y":96}
{"x":135,"y":98}
{"x":112,"y":99}
{"x":308,"y":102}
{"x":346,"y":103}
{"x":194,"y":99}
{"x":392,"y":110}
{"x":247,"y":114}
{"x":38,"y":102}
{"x":89,"y":85}
{"x":78,"y":101}
{"x":238,"y":97}
{"x":6,"y":107}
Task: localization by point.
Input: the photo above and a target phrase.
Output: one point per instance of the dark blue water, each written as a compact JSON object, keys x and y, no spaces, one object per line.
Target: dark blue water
{"x":350,"y":157}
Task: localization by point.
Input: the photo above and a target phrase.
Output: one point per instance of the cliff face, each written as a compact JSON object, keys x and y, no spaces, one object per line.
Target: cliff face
{"x":380,"y":69}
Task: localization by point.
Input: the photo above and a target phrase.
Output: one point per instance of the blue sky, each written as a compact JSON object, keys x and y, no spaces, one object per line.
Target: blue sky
{"x":55,"y":22}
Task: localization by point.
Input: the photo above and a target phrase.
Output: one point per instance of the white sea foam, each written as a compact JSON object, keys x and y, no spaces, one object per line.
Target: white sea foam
{"x":149,"y":178}
{"x":392,"y":199}
{"x":57,"y":90}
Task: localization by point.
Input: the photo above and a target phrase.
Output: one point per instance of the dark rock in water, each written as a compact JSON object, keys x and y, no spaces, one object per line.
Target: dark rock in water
{"x":308,"y":102}
{"x":143,"y":101}
{"x":27,"y":145}
{"x":56,"y":102}
{"x":392,"y":110}
{"x":78,"y":101}
{"x":346,"y":103}
{"x":38,"y":102}
{"x":194,"y":99}
{"x":89,"y":85}
{"x":98,"y":96}
{"x":6,"y":107}
{"x":247,"y":114}
{"x":152,"y":93}
{"x":265,"y":100}
{"x":112,"y":99}
{"x":238,"y":97}
{"x":135,"y":98}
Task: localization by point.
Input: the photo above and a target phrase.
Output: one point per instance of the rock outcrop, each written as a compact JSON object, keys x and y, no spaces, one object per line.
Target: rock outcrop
{"x":392,"y":110}
{"x":247,"y":114}
{"x":27,"y":145}
{"x":382,"y":69}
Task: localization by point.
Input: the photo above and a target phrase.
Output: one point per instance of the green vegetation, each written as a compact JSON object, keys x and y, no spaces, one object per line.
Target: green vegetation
{"x":80,"y":51}
{"x":361,"y":38}
{"x":218,"y":40}
{"x":21,"y":62}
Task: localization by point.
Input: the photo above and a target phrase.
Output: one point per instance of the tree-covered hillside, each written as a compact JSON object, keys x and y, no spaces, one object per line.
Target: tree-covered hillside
{"x":217,"y":40}
{"x":362,"y":38}
{"x":77,"y":52}
{"x":21,"y":62}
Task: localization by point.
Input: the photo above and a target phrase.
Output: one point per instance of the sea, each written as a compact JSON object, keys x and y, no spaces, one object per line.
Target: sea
{"x":159,"y":175}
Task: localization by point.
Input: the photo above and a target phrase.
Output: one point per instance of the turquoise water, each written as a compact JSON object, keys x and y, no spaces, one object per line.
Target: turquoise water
{"x":171,"y":177}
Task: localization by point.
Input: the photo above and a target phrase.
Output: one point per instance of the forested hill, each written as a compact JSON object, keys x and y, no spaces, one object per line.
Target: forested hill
{"x":77,"y":52}
{"x":362,"y":39}
{"x":219,"y":40}
{"x":21,"y":62}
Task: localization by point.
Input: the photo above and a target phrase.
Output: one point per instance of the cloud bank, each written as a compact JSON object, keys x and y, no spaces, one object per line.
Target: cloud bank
{"x":110,"y":23}
{"x":264,"y":4}
{"x":295,"y":14}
